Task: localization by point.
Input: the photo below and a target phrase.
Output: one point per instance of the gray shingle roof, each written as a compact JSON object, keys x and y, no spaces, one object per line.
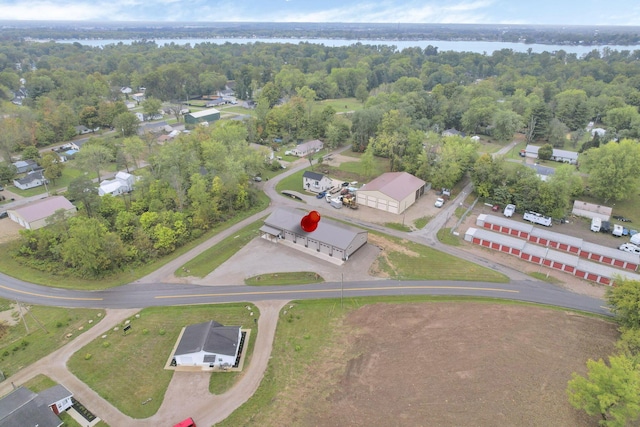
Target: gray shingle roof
{"x":313,"y":175}
{"x":210,"y":337}
{"x":22,"y":407}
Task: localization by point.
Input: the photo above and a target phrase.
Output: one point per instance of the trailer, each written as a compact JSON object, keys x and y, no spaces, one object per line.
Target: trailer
{"x":537,"y":218}
{"x":336,"y":203}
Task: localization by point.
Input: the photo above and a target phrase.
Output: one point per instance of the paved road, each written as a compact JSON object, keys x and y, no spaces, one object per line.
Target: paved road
{"x":162,"y":289}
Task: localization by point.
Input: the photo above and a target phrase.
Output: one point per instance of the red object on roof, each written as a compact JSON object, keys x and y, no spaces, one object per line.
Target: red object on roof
{"x":310,"y":222}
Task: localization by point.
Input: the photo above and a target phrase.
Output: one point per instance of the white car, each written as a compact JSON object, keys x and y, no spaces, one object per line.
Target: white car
{"x":439,"y":202}
{"x":630,"y":247}
{"x":509,"y":210}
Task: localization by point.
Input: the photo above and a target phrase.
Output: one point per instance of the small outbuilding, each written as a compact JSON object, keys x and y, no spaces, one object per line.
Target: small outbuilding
{"x":591,"y":210}
{"x":391,"y":192}
{"x":208,"y":115}
{"x":316,"y":182}
{"x":331,"y":238}
{"x":35,"y":214}
{"x":208,"y":345}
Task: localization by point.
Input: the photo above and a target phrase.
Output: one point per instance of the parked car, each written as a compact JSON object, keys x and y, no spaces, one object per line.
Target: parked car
{"x":3,"y":214}
{"x":596,"y":224}
{"x":630,"y":247}
{"x":509,"y":210}
{"x":186,"y":423}
{"x":1,"y":188}
{"x":495,"y":208}
{"x":257,"y":179}
{"x":605,"y":227}
{"x":439,"y":202}
{"x":345,"y":184}
{"x":321,"y":195}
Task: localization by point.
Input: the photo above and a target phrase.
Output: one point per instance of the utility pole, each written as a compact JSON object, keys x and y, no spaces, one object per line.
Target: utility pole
{"x":341,"y":290}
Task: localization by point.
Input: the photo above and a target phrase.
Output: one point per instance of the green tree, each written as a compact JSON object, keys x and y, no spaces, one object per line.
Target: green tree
{"x":572,"y":108}
{"x":30,"y":153}
{"x":487,"y":174}
{"x":7,"y":172}
{"x":82,"y":190}
{"x":624,"y":301}
{"x":610,"y":391}
{"x":557,"y":133}
{"x":614,"y":169}
{"x":94,"y":158}
{"x":151,"y":107}
{"x":545,"y":152}
{"x":52,"y":166}
{"x":127,"y":123}
{"x":367,"y":161}
{"x":505,"y":124}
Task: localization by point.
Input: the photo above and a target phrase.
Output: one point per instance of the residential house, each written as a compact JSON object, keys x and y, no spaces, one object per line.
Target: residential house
{"x":22,"y":407}
{"x":24,"y":166}
{"x":543,"y":172}
{"x":83,"y":130}
{"x":126,"y":90}
{"x":563,"y":156}
{"x":391,"y":192}
{"x":121,"y":183}
{"x":34,"y":215}
{"x":307,"y":148}
{"x":598,"y":131}
{"x":453,"y":132}
{"x":77,"y":145}
{"x":138,"y":97}
{"x":331,"y":238}
{"x":31,"y":180}
{"x":316,"y":182}
{"x":208,"y":345}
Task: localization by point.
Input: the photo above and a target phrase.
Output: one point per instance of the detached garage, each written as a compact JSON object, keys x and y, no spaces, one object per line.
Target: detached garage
{"x":391,"y":192}
{"x":208,"y":345}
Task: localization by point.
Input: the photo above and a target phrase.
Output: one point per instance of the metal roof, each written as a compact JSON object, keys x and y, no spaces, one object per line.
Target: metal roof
{"x":204,"y":113}
{"x":43,"y":208}
{"x":503,"y":239}
{"x":505,"y":222}
{"x":313,"y":175}
{"x":330,"y":232}
{"x":610,"y":252}
{"x":396,"y":185}
{"x":557,"y":237}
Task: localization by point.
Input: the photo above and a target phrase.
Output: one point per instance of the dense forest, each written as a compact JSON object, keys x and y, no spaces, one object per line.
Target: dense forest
{"x":409,"y":97}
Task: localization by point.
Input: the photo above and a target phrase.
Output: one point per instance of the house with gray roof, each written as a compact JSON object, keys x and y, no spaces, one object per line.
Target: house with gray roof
{"x":208,"y":345}
{"x":22,"y":407}
{"x":563,"y":156}
{"x":30,"y":180}
{"x":316,"y":182}
{"x":24,"y":166}
{"x":331,"y":238}
{"x":307,"y":148}
{"x":543,"y":172}
{"x":391,"y":192}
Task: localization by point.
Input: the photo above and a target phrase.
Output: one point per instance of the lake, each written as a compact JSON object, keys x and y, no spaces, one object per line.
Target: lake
{"x":457,"y":46}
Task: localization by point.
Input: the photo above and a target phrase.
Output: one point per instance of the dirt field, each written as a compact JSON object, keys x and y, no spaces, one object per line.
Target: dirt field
{"x":446,"y":364}
{"x":9,"y":230}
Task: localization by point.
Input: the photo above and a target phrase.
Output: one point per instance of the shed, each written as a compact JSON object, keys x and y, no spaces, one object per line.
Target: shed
{"x":316,"y":182}
{"x":208,"y":344}
{"x":391,"y":192}
{"x":208,"y":115}
{"x":331,"y":238}
{"x":591,"y":210}
{"x":34,"y":215}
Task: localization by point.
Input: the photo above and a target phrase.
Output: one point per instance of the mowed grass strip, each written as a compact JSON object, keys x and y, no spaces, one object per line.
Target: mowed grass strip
{"x":406,"y":260}
{"x":212,"y":258}
{"x":46,"y":331}
{"x":284,"y":278}
{"x":128,"y":370}
{"x":292,"y":182}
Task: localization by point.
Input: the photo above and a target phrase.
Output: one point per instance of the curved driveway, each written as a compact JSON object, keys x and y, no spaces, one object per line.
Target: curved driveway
{"x":161,"y":288}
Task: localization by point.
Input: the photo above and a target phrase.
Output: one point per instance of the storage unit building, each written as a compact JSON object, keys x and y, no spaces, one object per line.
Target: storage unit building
{"x":391,"y":192}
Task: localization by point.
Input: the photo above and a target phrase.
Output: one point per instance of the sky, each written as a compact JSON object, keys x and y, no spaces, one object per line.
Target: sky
{"x":533,"y":12}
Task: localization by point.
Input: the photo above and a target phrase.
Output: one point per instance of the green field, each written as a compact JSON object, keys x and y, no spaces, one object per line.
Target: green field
{"x":292,"y":182}
{"x":284,"y":278}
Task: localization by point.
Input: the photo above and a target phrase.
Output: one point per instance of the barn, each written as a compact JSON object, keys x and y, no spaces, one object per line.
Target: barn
{"x":209,"y":115}
{"x":208,"y":345}
{"x":391,"y":192}
{"x":34,"y":215}
{"x":331,"y":238}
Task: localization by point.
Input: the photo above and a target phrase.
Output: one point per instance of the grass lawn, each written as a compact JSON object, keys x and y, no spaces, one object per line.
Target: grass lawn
{"x":292,"y":183}
{"x":286,"y":278}
{"x":422,"y":222}
{"x":444,"y":235}
{"x":406,"y":260}
{"x":147,"y":347}
{"x":341,"y":105}
{"x":47,"y":330}
{"x":215,"y":256}
{"x":397,"y":226}
{"x":10,"y":266}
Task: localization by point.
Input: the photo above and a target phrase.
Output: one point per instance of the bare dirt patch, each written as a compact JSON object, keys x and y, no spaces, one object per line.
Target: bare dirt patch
{"x":452,"y":364}
{"x":389,"y":246}
{"x":9,"y":230}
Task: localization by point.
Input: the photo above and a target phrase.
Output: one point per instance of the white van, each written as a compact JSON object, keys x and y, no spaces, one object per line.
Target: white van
{"x":596,"y":223}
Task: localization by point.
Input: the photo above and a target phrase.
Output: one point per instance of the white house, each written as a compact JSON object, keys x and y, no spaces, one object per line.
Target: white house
{"x":307,"y":148}
{"x":121,"y":183}
{"x":316,"y":182}
{"x":31,"y":180}
{"x":22,"y":407}
{"x":563,"y":156}
{"x":598,"y":131}
{"x":23,"y":166}
{"x":208,"y":345}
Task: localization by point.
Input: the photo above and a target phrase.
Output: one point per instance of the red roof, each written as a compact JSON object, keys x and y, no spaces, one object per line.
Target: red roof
{"x":43,"y":208}
{"x":397,"y":185}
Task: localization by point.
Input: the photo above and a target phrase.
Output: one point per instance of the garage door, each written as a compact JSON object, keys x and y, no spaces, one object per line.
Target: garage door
{"x":361,"y":199}
{"x":393,"y":206}
{"x":382,"y":205}
{"x":325,"y":249}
